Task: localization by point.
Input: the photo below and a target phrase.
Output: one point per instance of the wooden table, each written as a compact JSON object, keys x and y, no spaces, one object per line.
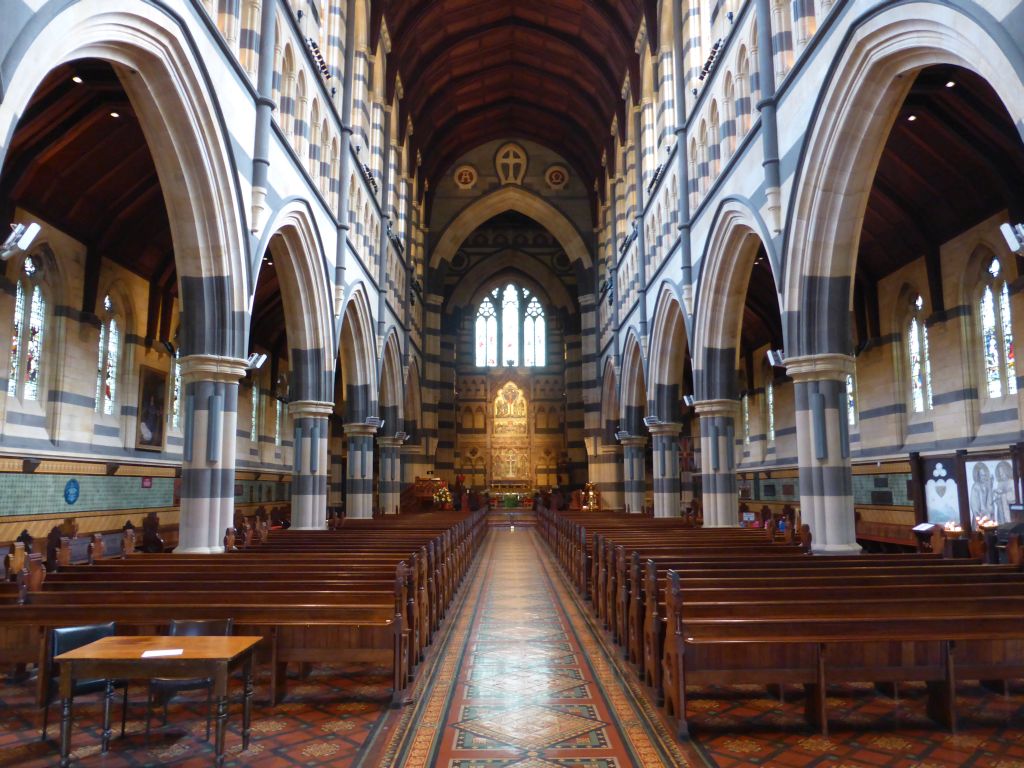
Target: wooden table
{"x":121,"y":658}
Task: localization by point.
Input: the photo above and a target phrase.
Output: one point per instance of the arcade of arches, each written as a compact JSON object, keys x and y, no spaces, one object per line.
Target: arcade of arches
{"x":316,"y":256}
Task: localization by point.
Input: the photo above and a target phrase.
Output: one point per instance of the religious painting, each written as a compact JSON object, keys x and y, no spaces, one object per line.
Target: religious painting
{"x":510,"y":410}
{"x":990,"y":491}
{"x":149,"y":430}
{"x":941,"y":493}
{"x":511,"y":464}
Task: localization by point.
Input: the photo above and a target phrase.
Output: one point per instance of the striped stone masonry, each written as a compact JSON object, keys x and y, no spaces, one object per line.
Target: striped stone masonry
{"x":606,"y":470}
{"x":415,"y":462}
{"x":359,"y":483}
{"x":633,"y":471}
{"x":208,"y":460}
{"x":390,"y":483}
{"x":823,"y":450}
{"x":665,"y":439}
{"x":311,"y":465}
{"x":718,"y":461}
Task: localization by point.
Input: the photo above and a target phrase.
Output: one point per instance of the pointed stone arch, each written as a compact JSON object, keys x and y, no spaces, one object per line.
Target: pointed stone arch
{"x":391,"y":398}
{"x":633,"y":394}
{"x":669,"y":350}
{"x":294,"y":239}
{"x":849,"y":128}
{"x":357,"y":361}
{"x":737,"y":235}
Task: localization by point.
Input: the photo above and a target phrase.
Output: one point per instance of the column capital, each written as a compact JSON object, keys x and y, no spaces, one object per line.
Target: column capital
{"x":634,"y":441}
{"x":719,"y":407}
{"x":411,"y":448}
{"x":610,"y":450}
{"x":360,"y":430}
{"x":390,"y":442}
{"x":212,"y":368}
{"x":310,"y":409}
{"x":819,"y":367}
{"x":669,"y":428}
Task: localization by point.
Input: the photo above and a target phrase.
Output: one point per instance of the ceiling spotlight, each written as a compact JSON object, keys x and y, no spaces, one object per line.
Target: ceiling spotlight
{"x":115,"y":114}
{"x":950,"y":83}
{"x":912,"y":118}
{"x":76,"y":79}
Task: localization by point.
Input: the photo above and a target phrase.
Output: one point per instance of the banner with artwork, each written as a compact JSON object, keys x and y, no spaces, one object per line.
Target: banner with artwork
{"x":990,"y":490}
{"x":941,"y":493}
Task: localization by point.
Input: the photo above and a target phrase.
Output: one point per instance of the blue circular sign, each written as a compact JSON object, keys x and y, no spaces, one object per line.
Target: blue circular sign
{"x":71,"y":491}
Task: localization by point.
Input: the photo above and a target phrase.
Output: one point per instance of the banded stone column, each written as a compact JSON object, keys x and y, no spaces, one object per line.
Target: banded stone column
{"x":609,"y":476}
{"x":310,"y":464}
{"x":359,"y":483}
{"x":686,"y":472}
{"x":634,"y":479}
{"x":208,"y":454}
{"x":823,"y":450}
{"x":718,"y":462}
{"x":390,"y":474}
{"x":666,"y":469}
{"x":414,"y":462}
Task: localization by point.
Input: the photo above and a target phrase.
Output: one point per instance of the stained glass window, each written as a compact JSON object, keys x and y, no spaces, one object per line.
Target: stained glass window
{"x":510,"y":326}
{"x":277,"y":423}
{"x":254,"y":424}
{"x":107,"y":360}
{"x":176,"y":392}
{"x":746,"y":419}
{"x":500,"y":343}
{"x":19,"y":323}
{"x":919,"y":359}
{"x":851,"y":401}
{"x":23,"y":373}
{"x":533,"y":334}
{"x":769,"y":394}
{"x":1000,"y":370}
{"x":34,"y":344}
{"x":486,"y":335}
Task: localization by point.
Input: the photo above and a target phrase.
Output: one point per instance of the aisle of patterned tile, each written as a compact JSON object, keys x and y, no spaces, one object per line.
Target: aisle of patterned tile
{"x":522,"y":682}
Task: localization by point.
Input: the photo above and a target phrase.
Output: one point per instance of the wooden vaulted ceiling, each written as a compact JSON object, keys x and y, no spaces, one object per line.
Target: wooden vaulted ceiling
{"x":956,"y":163}
{"x":77,"y":166}
{"x":91,"y":175}
{"x":546,"y":70}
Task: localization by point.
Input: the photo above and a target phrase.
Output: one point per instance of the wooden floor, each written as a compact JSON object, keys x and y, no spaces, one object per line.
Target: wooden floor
{"x":520,"y":677}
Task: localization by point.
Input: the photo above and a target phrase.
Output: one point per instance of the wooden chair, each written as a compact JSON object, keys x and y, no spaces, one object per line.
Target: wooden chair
{"x":68,"y":639}
{"x":166,"y":688}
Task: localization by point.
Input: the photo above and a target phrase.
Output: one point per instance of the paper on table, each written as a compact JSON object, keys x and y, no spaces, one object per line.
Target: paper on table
{"x":162,"y":652}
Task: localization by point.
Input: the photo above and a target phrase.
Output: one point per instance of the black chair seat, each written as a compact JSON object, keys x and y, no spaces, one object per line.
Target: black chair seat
{"x":66,"y":639}
{"x":163,"y":689}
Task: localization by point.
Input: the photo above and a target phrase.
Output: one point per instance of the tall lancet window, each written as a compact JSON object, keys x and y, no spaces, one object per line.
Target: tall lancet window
{"x":510,"y":326}
{"x":107,"y":363}
{"x":176,"y":391}
{"x":919,"y":358}
{"x":997,"y":334}
{"x":254,"y":421}
{"x":533,"y":333}
{"x":23,"y":376}
{"x":486,"y":335}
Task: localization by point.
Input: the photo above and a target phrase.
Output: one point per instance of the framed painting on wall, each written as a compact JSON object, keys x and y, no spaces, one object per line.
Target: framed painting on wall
{"x":149,"y":429}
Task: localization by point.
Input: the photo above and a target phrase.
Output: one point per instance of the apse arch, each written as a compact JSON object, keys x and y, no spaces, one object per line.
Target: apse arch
{"x":510,"y":198}
{"x":294,"y":240}
{"x":886,"y":46}
{"x":173,"y":98}
{"x":498,"y":270}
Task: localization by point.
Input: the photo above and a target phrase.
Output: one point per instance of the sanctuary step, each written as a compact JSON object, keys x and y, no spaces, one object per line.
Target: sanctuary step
{"x":512,"y":516}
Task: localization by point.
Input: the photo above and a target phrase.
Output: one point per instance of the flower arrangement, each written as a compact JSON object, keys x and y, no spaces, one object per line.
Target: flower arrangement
{"x":442,"y":496}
